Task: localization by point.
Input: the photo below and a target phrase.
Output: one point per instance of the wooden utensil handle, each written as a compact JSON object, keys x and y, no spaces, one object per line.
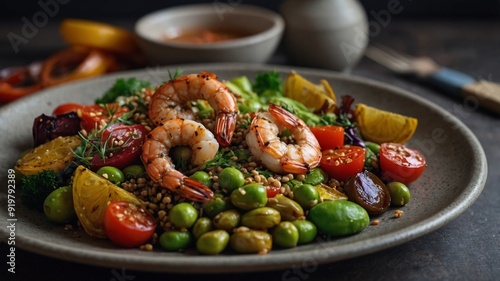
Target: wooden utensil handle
{"x":486,"y":93}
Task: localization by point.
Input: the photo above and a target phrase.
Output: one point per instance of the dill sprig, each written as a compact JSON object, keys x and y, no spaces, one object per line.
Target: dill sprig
{"x":93,"y":144}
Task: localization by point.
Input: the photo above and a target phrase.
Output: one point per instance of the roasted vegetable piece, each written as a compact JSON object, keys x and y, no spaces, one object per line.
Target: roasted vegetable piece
{"x":381,"y":126}
{"x":367,"y":190}
{"x":91,"y":196}
{"x":54,"y":155}
{"x":46,"y":128}
{"x":319,"y":97}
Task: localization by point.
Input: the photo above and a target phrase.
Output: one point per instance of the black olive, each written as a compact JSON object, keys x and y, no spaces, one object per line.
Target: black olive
{"x":367,"y":190}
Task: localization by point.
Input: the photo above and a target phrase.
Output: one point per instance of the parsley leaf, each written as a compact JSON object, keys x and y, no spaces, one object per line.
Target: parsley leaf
{"x":122,"y":87}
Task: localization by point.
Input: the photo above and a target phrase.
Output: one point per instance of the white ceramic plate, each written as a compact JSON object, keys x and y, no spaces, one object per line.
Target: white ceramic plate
{"x":454,"y":178}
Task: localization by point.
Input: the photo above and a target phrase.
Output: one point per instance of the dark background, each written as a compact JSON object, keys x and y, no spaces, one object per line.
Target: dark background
{"x":98,"y":9}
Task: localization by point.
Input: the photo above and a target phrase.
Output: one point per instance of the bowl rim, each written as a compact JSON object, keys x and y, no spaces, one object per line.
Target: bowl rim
{"x":276,"y":29}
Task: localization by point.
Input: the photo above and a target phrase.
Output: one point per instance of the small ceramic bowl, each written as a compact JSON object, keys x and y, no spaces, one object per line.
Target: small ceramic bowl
{"x":254,"y":34}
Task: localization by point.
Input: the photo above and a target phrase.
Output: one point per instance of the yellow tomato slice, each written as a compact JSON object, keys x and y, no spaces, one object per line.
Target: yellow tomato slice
{"x":91,"y":196}
{"x":381,"y":126}
{"x":98,"y":35}
{"x":319,"y":97}
{"x":55,"y":155}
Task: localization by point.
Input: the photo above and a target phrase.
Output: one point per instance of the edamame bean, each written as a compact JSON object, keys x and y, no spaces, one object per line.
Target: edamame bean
{"x":58,"y":206}
{"x":316,"y":176}
{"x":374,"y":147}
{"x":339,"y":217}
{"x":202,"y":225}
{"x":133,"y":171}
{"x":175,"y":240}
{"x":285,"y":235}
{"x":183,"y":215}
{"x":112,"y":174}
{"x":289,"y":209}
{"x":231,"y":178}
{"x":306,"y":195}
{"x":251,"y":241}
{"x":202,"y":177}
{"x":214,"y":206}
{"x":400,"y":193}
{"x":307,"y":231}
{"x":261,"y":218}
{"x":212,"y":242}
{"x":250,"y":196}
{"x":227,"y":220}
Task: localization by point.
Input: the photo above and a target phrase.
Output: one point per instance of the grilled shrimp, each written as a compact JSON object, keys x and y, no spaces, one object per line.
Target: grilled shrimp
{"x":265,"y":145}
{"x":168,"y":101}
{"x":159,"y":166}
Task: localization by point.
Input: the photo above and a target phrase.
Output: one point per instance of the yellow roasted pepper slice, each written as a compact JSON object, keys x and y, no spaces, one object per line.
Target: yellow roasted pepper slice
{"x":54,"y":155}
{"x":319,"y":97}
{"x":98,"y":35}
{"x":381,"y":126}
{"x":91,"y":196}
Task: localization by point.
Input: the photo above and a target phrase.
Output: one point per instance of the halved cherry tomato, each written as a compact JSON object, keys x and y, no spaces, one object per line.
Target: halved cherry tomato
{"x":123,"y":145}
{"x":128,"y":224}
{"x":329,"y":136}
{"x":92,"y":115}
{"x":400,"y":163}
{"x":343,"y":162}
{"x":272,"y":191}
{"x":67,"y":108}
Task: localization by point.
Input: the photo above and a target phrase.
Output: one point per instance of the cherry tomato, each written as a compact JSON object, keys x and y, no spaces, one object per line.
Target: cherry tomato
{"x":400,"y":163}
{"x":67,"y":108}
{"x":128,"y":224}
{"x":123,"y":145}
{"x":343,"y":162}
{"x":272,"y":191}
{"x":329,"y":136}
{"x":94,"y":115}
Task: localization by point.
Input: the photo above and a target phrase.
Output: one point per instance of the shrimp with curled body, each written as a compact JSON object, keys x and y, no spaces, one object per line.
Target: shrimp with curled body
{"x":265,"y":145}
{"x":159,"y":166}
{"x":169,"y":99}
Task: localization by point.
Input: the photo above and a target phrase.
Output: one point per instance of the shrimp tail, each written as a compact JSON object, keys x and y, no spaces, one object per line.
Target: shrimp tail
{"x":226,"y":122}
{"x":296,"y":167}
{"x":285,"y":117}
{"x":186,"y":187}
{"x":196,"y":191}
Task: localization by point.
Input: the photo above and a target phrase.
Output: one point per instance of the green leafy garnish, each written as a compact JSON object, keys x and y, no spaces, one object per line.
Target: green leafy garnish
{"x":123,"y":87}
{"x":36,"y":187}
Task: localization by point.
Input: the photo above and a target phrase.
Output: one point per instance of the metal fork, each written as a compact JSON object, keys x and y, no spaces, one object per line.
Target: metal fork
{"x":479,"y":92}
{"x":400,"y":63}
